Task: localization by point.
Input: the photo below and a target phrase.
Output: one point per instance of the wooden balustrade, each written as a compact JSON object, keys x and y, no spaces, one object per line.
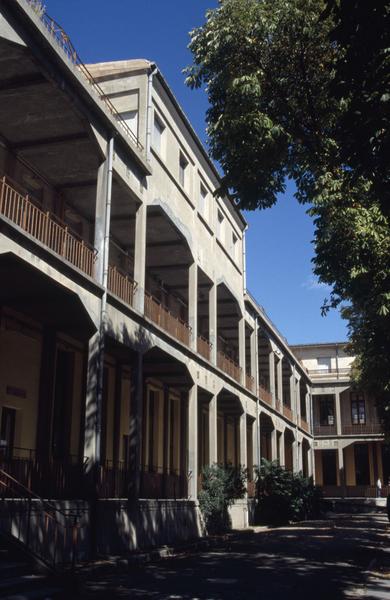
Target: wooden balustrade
{"x":229,"y":366}
{"x":45,"y":228}
{"x":204,"y":347}
{"x":288,"y":413}
{"x":160,"y":315}
{"x":265,"y":395}
{"x":305,"y":425}
{"x":249,"y":382}
{"x":121,"y":285}
{"x":363,"y":429}
{"x":325,"y":430}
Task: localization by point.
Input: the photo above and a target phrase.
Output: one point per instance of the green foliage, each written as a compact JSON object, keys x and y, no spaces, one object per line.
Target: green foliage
{"x":300,"y":89}
{"x":221,"y":486}
{"x":284,"y":496}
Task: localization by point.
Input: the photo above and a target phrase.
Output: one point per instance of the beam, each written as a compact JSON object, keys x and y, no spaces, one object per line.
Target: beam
{"x":59,"y":139}
{"x":23,"y":81}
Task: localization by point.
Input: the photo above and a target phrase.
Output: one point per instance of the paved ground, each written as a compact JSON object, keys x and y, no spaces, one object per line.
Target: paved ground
{"x":325,"y":560}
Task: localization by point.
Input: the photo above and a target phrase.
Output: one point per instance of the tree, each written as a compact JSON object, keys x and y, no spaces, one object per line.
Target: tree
{"x":294,"y":95}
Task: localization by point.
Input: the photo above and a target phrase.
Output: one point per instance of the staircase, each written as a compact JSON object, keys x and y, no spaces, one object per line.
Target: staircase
{"x":21,"y":579}
{"x":37,"y":526}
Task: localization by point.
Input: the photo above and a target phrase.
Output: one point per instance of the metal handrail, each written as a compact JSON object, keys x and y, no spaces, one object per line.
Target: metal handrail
{"x":50,"y":513}
{"x":64,"y":41}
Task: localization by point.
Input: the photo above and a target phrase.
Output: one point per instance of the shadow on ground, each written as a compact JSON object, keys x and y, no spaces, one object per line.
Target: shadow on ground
{"x":317,"y":561}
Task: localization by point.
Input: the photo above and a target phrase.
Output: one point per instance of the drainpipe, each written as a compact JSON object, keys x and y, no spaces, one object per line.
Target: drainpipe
{"x":244,"y":259}
{"x":257,"y":394}
{"x":153,"y":71}
{"x":103,"y":306}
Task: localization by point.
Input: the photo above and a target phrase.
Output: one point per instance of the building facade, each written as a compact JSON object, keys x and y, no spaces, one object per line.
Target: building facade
{"x":350,"y":453}
{"x":132,"y":354}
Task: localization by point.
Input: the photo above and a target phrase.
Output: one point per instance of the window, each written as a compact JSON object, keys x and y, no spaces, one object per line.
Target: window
{"x":131,"y":119}
{"x":158,"y":135}
{"x":323,"y":363}
{"x":202,"y":200}
{"x":220,"y":225}
{"x":327,"y":410}
{"x":358,"y":409}
{"x":183,"y":167}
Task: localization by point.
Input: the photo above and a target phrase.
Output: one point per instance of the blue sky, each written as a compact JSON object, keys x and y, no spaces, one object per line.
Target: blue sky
{"x":279,"y":248}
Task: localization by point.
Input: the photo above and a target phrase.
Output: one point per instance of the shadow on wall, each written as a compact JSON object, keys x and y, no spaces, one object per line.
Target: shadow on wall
{"x":125,"y":526}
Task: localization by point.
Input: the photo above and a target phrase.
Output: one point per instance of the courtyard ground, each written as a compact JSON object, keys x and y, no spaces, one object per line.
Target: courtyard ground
{"x":346,"y":556}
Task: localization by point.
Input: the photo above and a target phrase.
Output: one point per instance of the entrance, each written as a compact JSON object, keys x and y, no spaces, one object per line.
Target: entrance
{"x":329,"y":467}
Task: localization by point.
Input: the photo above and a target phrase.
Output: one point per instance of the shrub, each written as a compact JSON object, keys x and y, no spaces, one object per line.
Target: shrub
{"x":283,"y":496}
{"x":221,"y":486}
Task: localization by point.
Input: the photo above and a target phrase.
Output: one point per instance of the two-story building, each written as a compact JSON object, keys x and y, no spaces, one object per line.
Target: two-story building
{"x":349,"y":449}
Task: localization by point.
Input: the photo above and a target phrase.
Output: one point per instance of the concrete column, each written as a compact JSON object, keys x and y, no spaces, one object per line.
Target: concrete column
{"x":295,"y":451}
{"x":100,"y":219}
{"x":338,"y":412}
{"x":274,"y":442}
{"x":213,"y":431}
{"x":310,"y":461}
{"x":243,"y":440}
{"x":213,"y":333}
{"x":91,"y":427}
{"x":258,"y":437}
{"x":193,"y":442}
{"x":298,"y":399}
{"x":282,"y":456}
{"x":300,"y":456}
{"x":193,"y":304}
{"x":136,"y":426}
{"x":241,"y":347}
{"x":140,"y":257}
{"x":342,"y":477}
{"x":253,"y":344}
{"x":272,"y":382}
{"x":279,"y":387}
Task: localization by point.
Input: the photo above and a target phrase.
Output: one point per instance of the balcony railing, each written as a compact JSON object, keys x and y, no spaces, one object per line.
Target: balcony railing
{"x":64,"y":42}
{"x":265,"y":395}
{"x":45,"y":227}
{"x":353,"y":491}
{"x":305,"y":425}
{"x":325,"y":430}
{"x":204,"y":347}
{"x":249,"y":382}
{"x":324,"y":373}
{"x":288,"y":413}
{"x":121,"y":285}
{"x":229,"y":366}
{"x":49,"y":477}
{"x":160,"y":315}
{"x":367,"y":429}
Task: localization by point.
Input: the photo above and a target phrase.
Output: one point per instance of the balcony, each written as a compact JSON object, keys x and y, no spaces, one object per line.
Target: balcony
{"x":161,"y":316}
{"x":46,"y":228}
{"x":288,"y":413}
{"x":204,"y":347}
{"x":329,"y":373}
{"x":366,"y":429}
{"x":121,"y":285}
{"x":325,"y":430}
{"x":64,"y":42}
{"x":228,"y":365}
{"x":265,"y":395}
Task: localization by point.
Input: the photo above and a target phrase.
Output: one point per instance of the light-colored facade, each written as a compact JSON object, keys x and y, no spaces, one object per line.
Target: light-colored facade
{"x":131,"y":353}
{"x":350,"y":454}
